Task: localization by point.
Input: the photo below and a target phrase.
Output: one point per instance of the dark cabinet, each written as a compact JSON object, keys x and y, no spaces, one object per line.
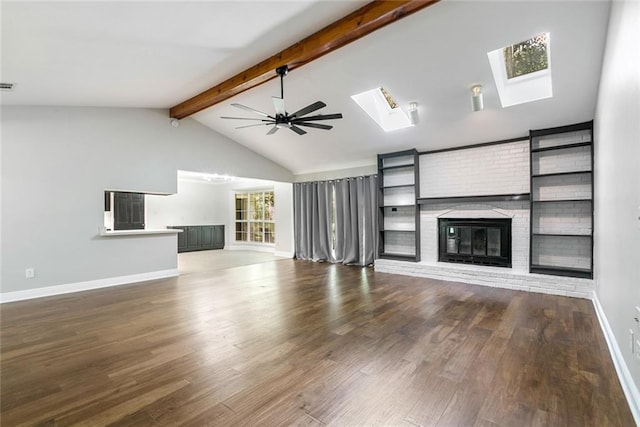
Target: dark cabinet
{"x":128,"y":211}
{"x":194,"y":238}
{"x":199,"y":237}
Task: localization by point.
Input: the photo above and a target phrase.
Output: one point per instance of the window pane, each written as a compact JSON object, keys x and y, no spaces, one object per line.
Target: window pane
{"x":269,"y":232}
{"x":241,"y":231}
{"x":526,"y":57}
{"x":251,"y":210}
{"x":269,"y":205}
{"x":256,"y":206}
{"x":256,"y":231}
{"x":242,"y":204}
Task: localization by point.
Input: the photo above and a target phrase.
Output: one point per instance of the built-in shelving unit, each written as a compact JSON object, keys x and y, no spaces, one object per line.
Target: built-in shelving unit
{"x":561,"y":215}
{"x":398,"y":212}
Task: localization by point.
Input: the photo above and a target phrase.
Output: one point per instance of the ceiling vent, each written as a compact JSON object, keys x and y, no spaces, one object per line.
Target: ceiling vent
{"x":7,"y":86}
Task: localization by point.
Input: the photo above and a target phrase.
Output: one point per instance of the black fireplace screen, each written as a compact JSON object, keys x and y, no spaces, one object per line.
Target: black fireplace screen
{"x":475,"y":241}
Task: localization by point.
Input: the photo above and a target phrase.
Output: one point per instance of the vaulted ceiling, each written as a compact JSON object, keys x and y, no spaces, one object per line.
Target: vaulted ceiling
{"x":157,"y":54}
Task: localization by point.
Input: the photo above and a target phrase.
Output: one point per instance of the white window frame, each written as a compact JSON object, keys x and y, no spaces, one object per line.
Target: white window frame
{"x":249,"y":221}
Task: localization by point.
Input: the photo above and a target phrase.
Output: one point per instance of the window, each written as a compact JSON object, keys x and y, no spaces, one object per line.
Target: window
{"x":526,"y":57}
{"x":522,"y":71}
{"x":383,"y":109}
{"x":255,"y":217}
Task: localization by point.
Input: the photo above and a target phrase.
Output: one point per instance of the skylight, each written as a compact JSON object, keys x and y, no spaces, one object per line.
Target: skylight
{"x":382,"y":108}
{"x":522,"y":71}
{"x":526,"y":57}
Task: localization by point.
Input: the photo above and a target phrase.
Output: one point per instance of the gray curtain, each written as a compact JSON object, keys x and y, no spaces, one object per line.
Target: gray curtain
{"x":312,"y":204}
{"x":355,"y":220}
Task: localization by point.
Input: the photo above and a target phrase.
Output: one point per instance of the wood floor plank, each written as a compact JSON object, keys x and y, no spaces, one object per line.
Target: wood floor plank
{"x":287,"y":342}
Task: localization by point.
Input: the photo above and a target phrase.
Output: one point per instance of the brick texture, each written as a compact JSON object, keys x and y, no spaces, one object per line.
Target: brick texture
{"x":496,"y":169}
{"x":501,"y":169}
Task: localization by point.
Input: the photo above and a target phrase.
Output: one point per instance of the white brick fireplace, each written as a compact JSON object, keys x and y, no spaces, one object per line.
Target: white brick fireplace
{"x":491,"y":170}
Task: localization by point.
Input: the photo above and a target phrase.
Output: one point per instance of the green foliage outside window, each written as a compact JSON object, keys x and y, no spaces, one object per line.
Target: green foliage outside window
{"x":255,"y":217}
{"x":526,"y":57}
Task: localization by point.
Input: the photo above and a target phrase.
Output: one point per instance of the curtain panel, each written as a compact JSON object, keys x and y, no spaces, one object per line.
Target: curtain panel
{"x":346,"y":234}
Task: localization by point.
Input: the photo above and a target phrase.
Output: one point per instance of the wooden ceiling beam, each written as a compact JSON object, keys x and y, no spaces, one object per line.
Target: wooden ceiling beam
{"x":357,"y":24}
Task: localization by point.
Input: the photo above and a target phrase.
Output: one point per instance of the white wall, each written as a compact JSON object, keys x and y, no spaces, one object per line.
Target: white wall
{"x":195,"y":203}
{"x":201,"y":203}
{"x":617,"y":180}
{"x":56,"y":163}
{"x":284,"y":219}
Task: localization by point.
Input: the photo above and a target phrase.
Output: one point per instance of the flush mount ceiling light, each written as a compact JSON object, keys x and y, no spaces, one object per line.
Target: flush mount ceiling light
{"x":414,"y":117}
{"x":477,"y":102}
{"x":383,"y":109}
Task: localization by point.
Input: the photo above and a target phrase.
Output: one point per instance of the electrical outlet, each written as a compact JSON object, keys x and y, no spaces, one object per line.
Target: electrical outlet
{"x":30,"y":273}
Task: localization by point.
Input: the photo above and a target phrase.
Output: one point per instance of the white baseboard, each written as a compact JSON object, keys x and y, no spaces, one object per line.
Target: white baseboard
{"x":628,"y":385}
{"x":250,"y":247}
{"x":284,"y":254}
{"x":84,"y":286}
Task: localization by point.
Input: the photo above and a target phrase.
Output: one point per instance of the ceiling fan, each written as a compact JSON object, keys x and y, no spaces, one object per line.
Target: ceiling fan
{"x":282,"y":119}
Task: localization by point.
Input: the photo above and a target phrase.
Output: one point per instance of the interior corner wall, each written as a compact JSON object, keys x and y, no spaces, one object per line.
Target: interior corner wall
{"x":617,"y":180}
{"x":56,"y":163}
{"x":283,"y":192}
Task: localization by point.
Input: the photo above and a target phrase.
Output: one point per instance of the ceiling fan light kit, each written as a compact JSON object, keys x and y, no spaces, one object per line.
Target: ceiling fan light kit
{"x":284,"y":120}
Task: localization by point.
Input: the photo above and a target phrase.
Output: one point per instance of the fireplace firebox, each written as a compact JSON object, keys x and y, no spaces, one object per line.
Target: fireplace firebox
{"x":475,"y":241}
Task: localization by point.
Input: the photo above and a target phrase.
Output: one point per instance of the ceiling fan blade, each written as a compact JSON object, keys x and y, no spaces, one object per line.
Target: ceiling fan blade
{"x":315,"y":125}
{"x":278,"y":105}
{"x":243,"y":118}
{"x":319,"y":117}
{"x":273,"y":130}
{"x":259,"y":124}
{"x":309,"y":109}
{"x":244,"y":107}
{"x":297,"y":130}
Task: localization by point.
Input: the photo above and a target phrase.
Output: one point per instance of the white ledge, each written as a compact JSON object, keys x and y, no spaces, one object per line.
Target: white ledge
{"x":113,"y":233}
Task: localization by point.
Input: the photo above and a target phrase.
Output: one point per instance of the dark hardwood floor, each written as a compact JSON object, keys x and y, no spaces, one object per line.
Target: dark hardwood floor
{"x":299,"y":343}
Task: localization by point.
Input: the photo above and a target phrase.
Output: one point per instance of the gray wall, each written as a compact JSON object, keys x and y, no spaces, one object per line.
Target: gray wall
{"x":56,"y":163}
{"x":617,"y":179}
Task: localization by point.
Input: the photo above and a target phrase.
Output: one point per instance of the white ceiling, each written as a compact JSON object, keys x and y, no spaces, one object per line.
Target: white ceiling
{"x":157,"y":54}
